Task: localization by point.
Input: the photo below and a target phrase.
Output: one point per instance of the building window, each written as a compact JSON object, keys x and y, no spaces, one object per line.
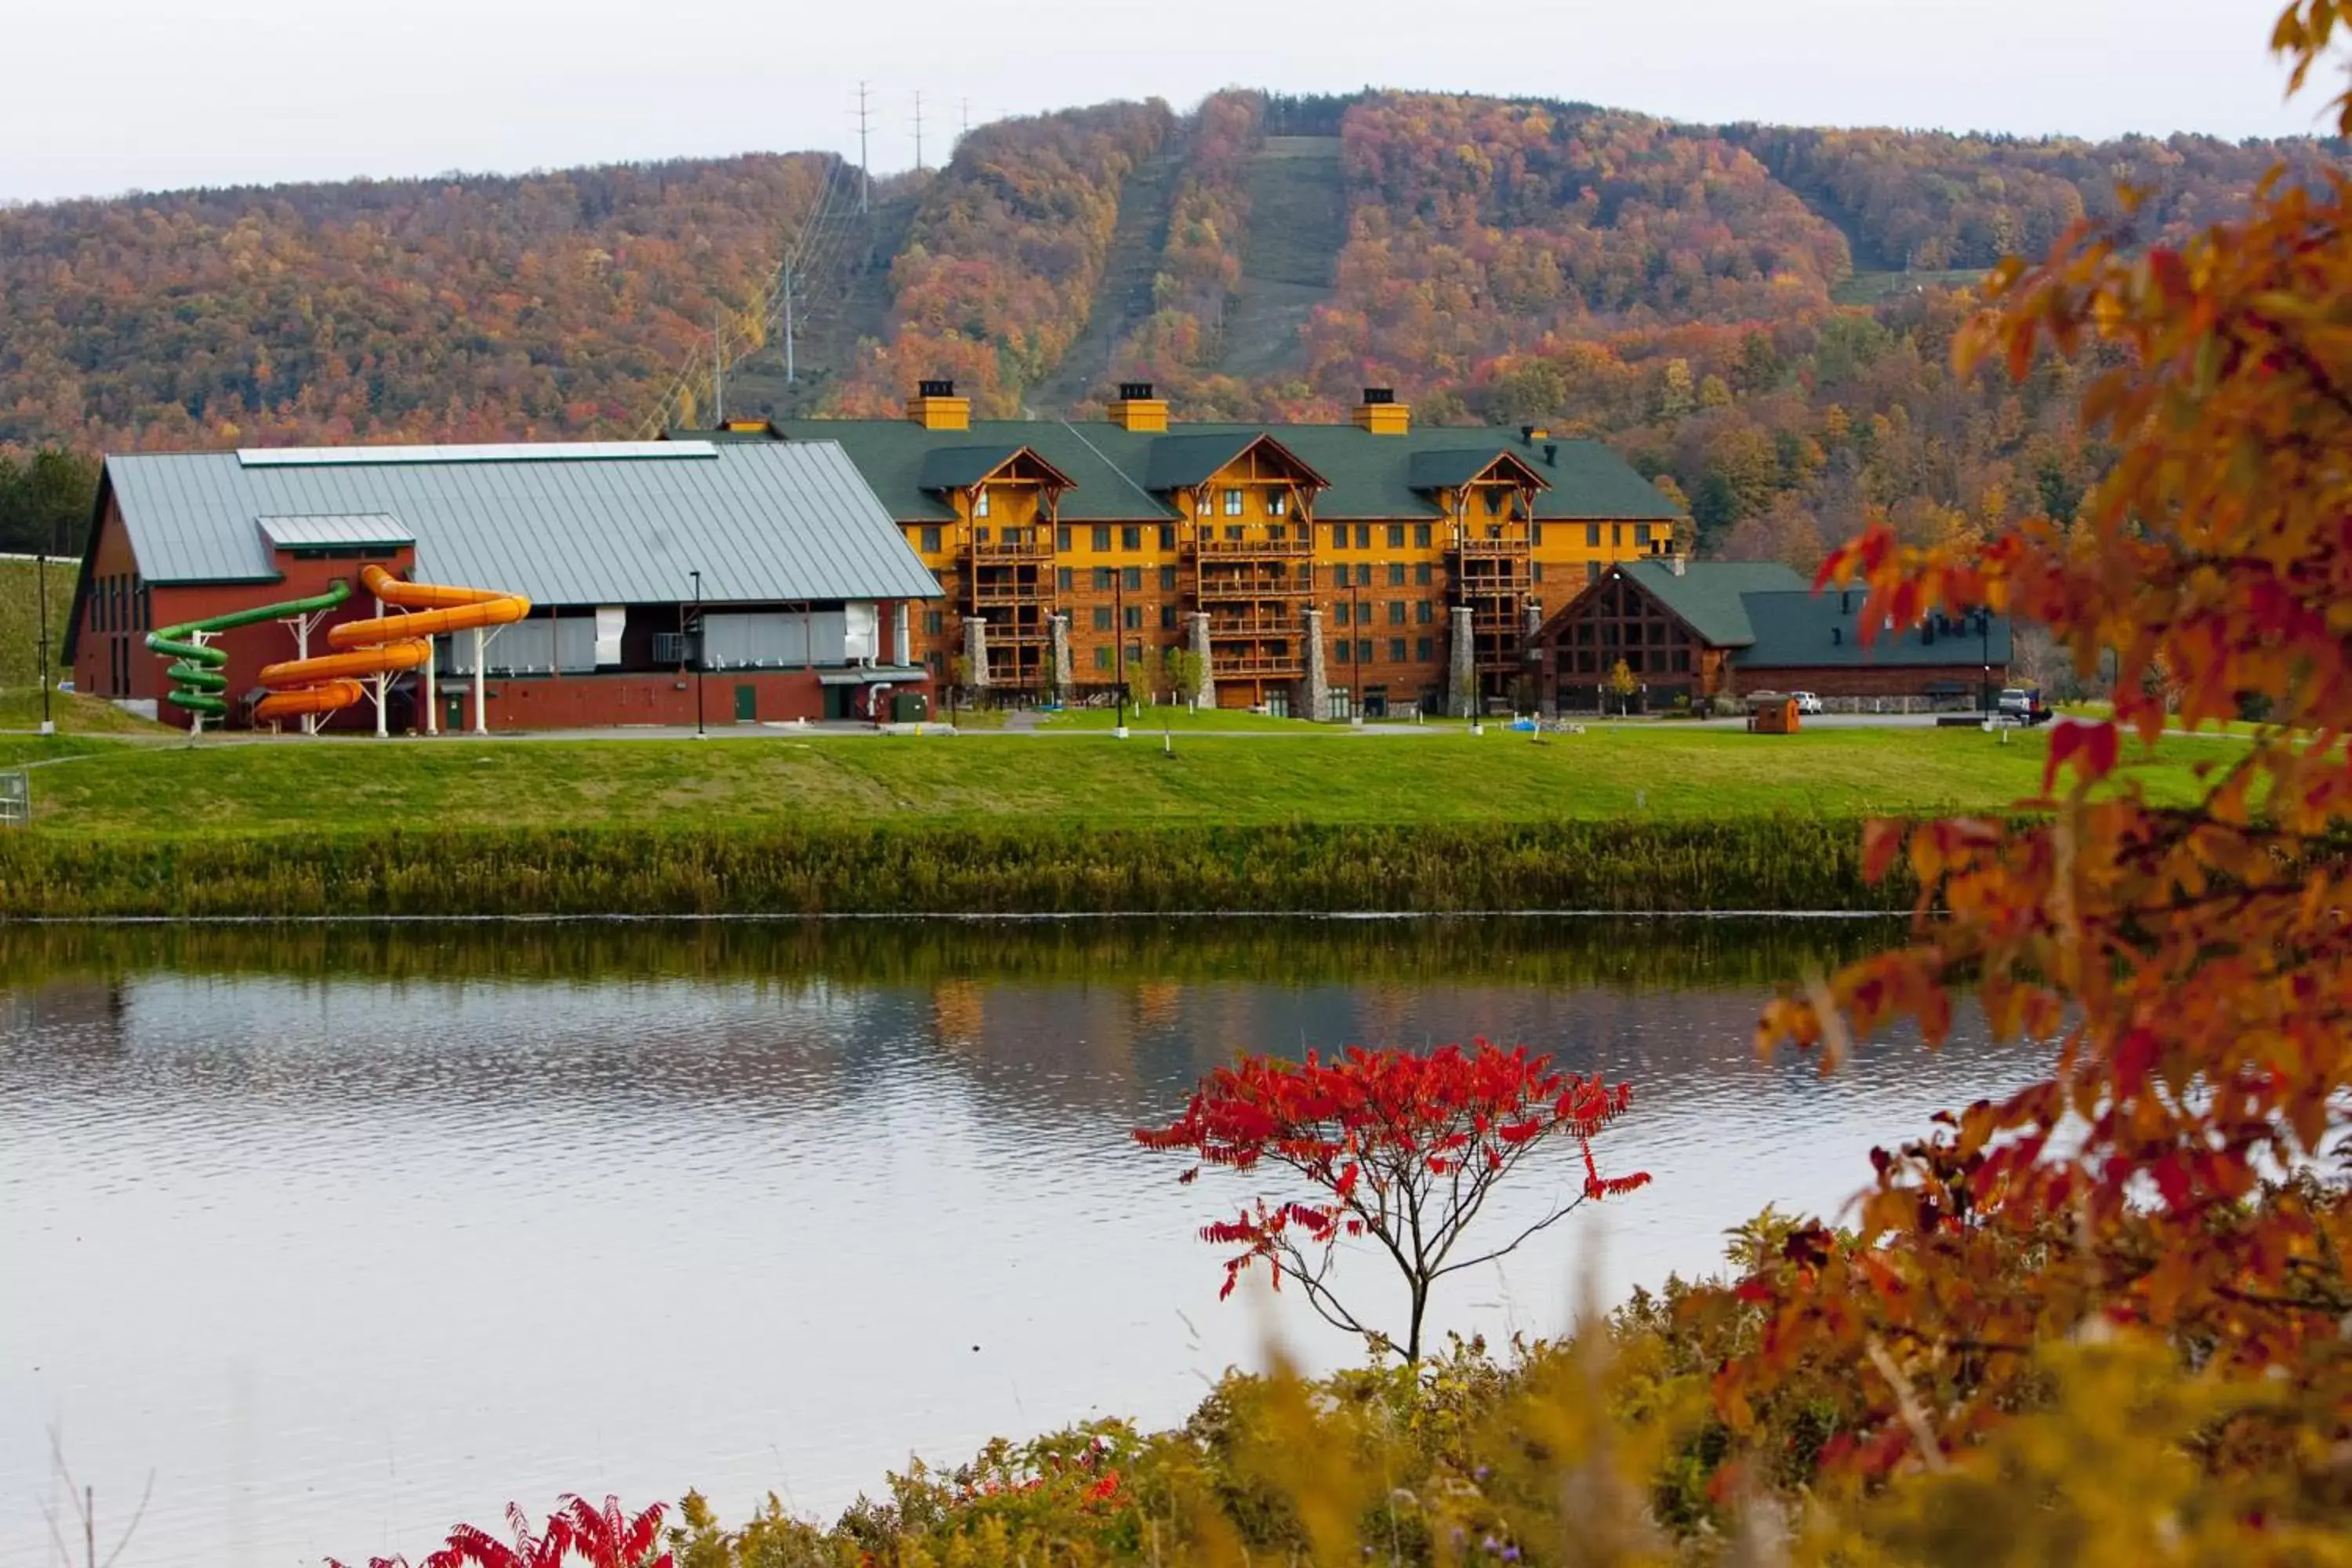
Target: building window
{"x":1168,"y":536}
{"x":1102,"y":538}
{"x":1424,"y":573}
{"x":1535,"y":570}
{"x":1423,"y":612}
{"x":934,"y":623}
{"x":1340,"y":613}
{"x":1396,"y":612}
{"x":1278,"y":504}
{"x":1363,"y":573}
{"x":1592,"y":570}
{"x":1065,"y":579}
{"x":1363,"y":536}
{"x":1396,"y":573}
{"x":1233,"y":532}
{"x":1131,"y":579}
{"x":1339,"y":536}
{"x":1102,"y":617}
{"x":1641,"y":534}
{"x":1102,"y":659}
{"x":1420,"y":536}
{"x":1062,"y":539}
{"x":1396,"y":651}
{"x":1364,"y":650}
{"x":1168,"y":579}
{"x":1232,"y":504}
{"x":1422,"y":650}
{"x":1682,"y":660}
{"x":1535,"y":533}
{"x":1135,"y":653}
{"x":1103,"y":579}
{"x":1134,"y":617}
{"x":979,"y":502}
{"x":1130,"y":537}
{"x":1494,"y":501}
{"x":1592,"y":536}
{"x":1167,"y":618}
{"x":931,"y":539}
{"x":1306,"y":573}
{"x":980,"y":536}
{"x":1616,"y":536}
{"x":1396,"y":536}
{"x":935,"y":661}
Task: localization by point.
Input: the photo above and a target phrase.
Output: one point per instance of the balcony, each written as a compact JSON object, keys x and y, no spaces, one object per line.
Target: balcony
{"x":984,"y":592}
{"x":1024,"y":546}
{"x":1255,"y":662}
{"x":1300,"y":546}
{"x":1261,"y":624}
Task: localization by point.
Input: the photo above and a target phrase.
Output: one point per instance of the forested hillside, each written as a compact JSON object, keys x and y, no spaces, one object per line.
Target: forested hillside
{"x":1757,"y":315}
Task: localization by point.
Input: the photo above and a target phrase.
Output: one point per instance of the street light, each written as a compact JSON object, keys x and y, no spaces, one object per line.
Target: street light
{"x":699,"y":660}
{"x":1119,"y":630}
{"x":41,"y":592}
{"x":1355,"y":652}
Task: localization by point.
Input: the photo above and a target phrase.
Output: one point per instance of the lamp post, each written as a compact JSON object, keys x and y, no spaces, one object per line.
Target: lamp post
{"x":1355,"y":653}
{"x":1118,"y":633}
{"x":699,"y":661}
{"x":1984,"y":627}
{"x":41,"y":592}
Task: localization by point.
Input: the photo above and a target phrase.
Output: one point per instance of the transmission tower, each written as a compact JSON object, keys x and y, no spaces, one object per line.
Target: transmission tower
{"x":865,"y":170}
{"x":918,"y":129}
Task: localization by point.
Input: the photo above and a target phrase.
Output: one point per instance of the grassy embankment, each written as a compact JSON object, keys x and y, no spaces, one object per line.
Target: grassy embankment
{"x":1639,"y":819}
{"x":20,"y":662}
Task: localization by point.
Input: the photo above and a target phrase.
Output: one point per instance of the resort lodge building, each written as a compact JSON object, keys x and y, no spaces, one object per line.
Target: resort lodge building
{"x":1311,"y":568}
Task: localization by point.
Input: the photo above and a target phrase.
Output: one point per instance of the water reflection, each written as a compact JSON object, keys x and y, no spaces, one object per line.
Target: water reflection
{"x":350,"y":1231}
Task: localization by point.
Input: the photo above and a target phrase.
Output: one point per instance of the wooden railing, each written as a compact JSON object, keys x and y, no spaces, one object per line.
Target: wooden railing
{"x":1286,"y":548}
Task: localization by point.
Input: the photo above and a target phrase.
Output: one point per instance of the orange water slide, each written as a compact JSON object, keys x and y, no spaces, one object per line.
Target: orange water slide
{"x":381,"y":645}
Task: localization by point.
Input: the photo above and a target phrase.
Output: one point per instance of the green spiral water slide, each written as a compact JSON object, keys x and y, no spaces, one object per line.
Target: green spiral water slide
{"x":197,"y":679}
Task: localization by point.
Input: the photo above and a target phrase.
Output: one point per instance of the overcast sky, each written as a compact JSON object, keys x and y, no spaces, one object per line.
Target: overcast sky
{"x":159,"y":94}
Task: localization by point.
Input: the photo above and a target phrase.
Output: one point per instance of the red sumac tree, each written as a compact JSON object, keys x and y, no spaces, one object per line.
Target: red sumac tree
{"x":1402,"y":1148}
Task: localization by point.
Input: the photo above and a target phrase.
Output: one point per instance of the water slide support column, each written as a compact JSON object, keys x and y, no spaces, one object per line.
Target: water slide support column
{"x":481,"y":687}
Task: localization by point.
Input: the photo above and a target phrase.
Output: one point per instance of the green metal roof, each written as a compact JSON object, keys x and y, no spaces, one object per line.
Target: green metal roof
{"x":1449,"y":470}
{"x":1120,"y":476}
{"x":1804,"y":630}
{"x":1711,"y":595}
{"x":960,"y":468}
{"x":1190,"y":459}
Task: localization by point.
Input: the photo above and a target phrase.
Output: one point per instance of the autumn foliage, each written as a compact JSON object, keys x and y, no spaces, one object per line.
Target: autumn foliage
{"x":578,"y":1534}
{"x":2184,"y":974}
{"x":1402,"y":1149}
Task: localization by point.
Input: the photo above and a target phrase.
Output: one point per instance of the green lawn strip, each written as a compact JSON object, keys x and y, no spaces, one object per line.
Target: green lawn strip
{"x":369,"y":786}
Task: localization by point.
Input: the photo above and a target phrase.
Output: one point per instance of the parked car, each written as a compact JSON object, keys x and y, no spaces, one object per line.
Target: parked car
{"x":1807,"y":702}
{"x":2022,"y":705}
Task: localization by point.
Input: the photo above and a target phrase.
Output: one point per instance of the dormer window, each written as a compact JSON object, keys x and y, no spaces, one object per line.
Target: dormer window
{"x":1279,"y":503}
{"x":1495,"y":501}
{"x":1232,"y":504}
{"x":979,"y":503}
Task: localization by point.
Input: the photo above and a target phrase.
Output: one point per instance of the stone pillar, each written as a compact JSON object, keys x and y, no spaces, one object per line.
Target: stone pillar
{"x":1064,"y":677}
{"x":1315,"y":690}
{"x":1205,"y":694}
{"x":1461,"y":667}
{"x":975,"y":651}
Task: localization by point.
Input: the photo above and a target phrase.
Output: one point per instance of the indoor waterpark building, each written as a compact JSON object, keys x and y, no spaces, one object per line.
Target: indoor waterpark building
{"x":500,"y":587}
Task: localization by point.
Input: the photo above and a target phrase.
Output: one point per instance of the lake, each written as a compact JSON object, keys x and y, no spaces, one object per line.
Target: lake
{"x":345,"y":1233}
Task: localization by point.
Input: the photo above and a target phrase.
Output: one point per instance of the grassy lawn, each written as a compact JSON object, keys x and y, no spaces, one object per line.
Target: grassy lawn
{"x":1179,"y":719}
{"x":1661,"y":773}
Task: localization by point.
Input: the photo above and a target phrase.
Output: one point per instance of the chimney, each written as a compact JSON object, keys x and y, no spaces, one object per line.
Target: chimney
{"x":1527,"y":435}
{"x":1551,"y":453}
{"x":1137,"y":410}
{"x":1381,"y":414}
{"x":936,"y":406}
{"x":1681,"y":561}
